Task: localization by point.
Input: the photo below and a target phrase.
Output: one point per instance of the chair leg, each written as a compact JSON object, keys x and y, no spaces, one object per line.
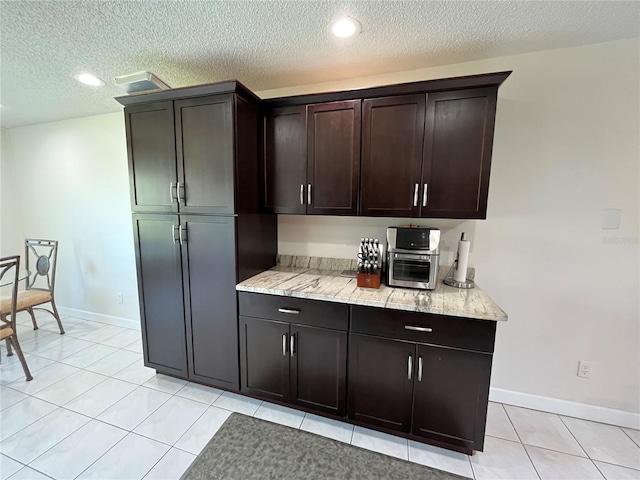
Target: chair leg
{"x":55,"y":314}
{"x":9,"y":352}
{"x":33,"y":318}
{"x":14,"y":340}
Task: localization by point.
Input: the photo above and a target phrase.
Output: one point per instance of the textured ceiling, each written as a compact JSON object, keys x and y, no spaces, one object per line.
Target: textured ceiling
{"x":265,"y":45}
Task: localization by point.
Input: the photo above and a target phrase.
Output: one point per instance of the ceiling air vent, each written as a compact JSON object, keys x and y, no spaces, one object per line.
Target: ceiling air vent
{"x":140,"y":82}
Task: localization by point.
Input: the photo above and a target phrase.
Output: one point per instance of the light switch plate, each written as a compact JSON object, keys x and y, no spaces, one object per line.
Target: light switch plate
{"x":611,"y":218}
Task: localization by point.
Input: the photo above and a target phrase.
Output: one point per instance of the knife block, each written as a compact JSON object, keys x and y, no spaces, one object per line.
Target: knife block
{"x":369,"y":280}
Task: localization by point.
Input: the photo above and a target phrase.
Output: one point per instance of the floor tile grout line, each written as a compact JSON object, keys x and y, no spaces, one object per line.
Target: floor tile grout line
{"x":576,"y":438}
{"x":599,"y":471}
{"x":107,"y":451}
{"x":627,"y":434}
{"x":521,"y":442}
{"x":616,"y":465}
{"x":61,"y":440}
{"x":188,"y":428}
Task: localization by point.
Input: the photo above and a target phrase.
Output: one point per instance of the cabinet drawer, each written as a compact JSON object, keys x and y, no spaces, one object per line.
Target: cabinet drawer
{"x":294,"y":310}
{"x":425,"y":328}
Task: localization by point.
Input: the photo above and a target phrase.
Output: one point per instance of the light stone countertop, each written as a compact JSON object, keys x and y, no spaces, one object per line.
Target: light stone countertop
{"x":330,"y":285}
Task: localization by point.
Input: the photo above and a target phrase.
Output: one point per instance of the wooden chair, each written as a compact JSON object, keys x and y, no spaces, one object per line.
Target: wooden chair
{"x":9,"y":268}
{"x":41,"y":258}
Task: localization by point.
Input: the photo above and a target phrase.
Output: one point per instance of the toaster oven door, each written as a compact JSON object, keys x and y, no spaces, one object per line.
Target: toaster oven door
{"x":406,"y":270}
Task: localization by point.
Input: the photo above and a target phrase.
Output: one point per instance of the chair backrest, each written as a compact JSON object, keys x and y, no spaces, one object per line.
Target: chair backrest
{"x":9,"y":268}
{"x":41,"y":258}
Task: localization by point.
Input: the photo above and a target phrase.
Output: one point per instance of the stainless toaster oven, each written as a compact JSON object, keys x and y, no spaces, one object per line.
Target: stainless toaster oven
{"x":413,"y":256}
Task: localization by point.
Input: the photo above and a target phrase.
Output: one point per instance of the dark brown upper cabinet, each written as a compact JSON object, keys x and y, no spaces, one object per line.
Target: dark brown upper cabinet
{"x":457,"y":153}
{"x":333,"y":158}
{"x":431,"y":161}
{"x":392,"y":139}
{"x":425,"y":150}
{"x":151,"y":149}
{"x":204,"y":148}
{"x":183,"y":158}
{"x":311,"y":159}
{"x":284,"y":169}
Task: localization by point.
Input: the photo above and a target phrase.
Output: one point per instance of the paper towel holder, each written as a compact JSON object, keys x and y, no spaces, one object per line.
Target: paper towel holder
{"x":452,"y":282}
{"x":449,"y":278}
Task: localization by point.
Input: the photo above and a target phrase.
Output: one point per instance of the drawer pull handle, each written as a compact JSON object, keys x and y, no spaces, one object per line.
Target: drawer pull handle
{"x":418,"y":329}
{"x":409,"y":368}
{"x":284,"y":345}
{"x":293,"y":311}
{"x":420,"y":368}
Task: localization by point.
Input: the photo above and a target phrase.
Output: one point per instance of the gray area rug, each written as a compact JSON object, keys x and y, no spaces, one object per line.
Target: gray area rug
{"x":247,"y":448}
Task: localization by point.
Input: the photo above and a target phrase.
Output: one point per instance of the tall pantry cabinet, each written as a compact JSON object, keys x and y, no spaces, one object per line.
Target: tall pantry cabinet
{"x":193,"y":170}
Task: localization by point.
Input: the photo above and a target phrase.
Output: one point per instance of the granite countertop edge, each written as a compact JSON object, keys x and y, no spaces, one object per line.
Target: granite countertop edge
{"x":329,"y":285}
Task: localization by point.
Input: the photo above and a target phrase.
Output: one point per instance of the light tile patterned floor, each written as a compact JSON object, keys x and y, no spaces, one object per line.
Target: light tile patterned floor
{"x":94,"y":411}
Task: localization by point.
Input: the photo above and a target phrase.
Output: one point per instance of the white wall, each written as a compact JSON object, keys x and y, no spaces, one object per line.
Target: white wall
{"x":10,"y":226}
{"x":566,"y":147}
{"x":70,"y":183}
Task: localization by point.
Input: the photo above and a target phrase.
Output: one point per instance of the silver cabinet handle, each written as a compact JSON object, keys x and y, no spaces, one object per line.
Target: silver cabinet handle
{"x":284,"y":345}
{"x":181,"y":198}
{"x":183,"y":240}
{"x":418,"y":329}
{"x":302,"y":194}
{"x":309,"y":194}
{"x":173,"y":233}
{"x":293,"y":311}
{"x":415,"y":195}
{"x":171,"y":195}
{"x":292,"y":344}
{"x":420,"y":368}
{"x":424,"y":196}
{"x":409,"y":367}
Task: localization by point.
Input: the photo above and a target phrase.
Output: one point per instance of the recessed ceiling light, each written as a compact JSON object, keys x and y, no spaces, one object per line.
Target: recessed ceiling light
{"x":89,"y":79}
{"x":346,"y":27}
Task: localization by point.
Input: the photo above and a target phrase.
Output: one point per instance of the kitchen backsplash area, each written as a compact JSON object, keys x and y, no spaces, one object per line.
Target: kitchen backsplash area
{"x":339,"y":237}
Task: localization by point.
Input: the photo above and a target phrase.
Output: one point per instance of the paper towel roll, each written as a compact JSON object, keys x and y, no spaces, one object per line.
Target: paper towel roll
{"x":460,"y":274}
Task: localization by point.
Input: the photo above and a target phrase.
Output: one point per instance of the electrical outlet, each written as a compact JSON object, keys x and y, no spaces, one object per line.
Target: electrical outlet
{"x":119,"y":297}
{"x":584,"y":369}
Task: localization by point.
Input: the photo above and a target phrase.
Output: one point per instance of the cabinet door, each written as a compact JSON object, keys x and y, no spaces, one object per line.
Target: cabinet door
{"x":457,"y":153}
{"x":152,"y":157}
{"x":204,"y":145}
{"x":160,"y":291}
{"x":264,"y":358}
{"x":210,"y":296}
{"x":333,"y":149}
{"x":392,"y":138}
{"x":284,"y":168}
{"x":381,"y":381}
{"x":451,"y":395}
{"x":319,"y":369}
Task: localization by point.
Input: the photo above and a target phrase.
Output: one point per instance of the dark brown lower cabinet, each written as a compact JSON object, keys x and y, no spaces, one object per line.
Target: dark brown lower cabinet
{"x":418,"y":375}
{"x":209,"y":262}
{"x":450,"y":398}
{"x":380,"y":386}
{"x":318,"y":366}
{"x":160,"y":277}
{"x":438,"y":393}
{"x":264,"y":358}
{"x":295,"y":364}
{"x":186,"y":281}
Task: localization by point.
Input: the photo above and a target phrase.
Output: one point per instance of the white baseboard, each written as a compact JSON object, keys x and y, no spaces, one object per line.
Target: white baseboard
{"x":99,"y":317}
{"x":565,"y":407}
